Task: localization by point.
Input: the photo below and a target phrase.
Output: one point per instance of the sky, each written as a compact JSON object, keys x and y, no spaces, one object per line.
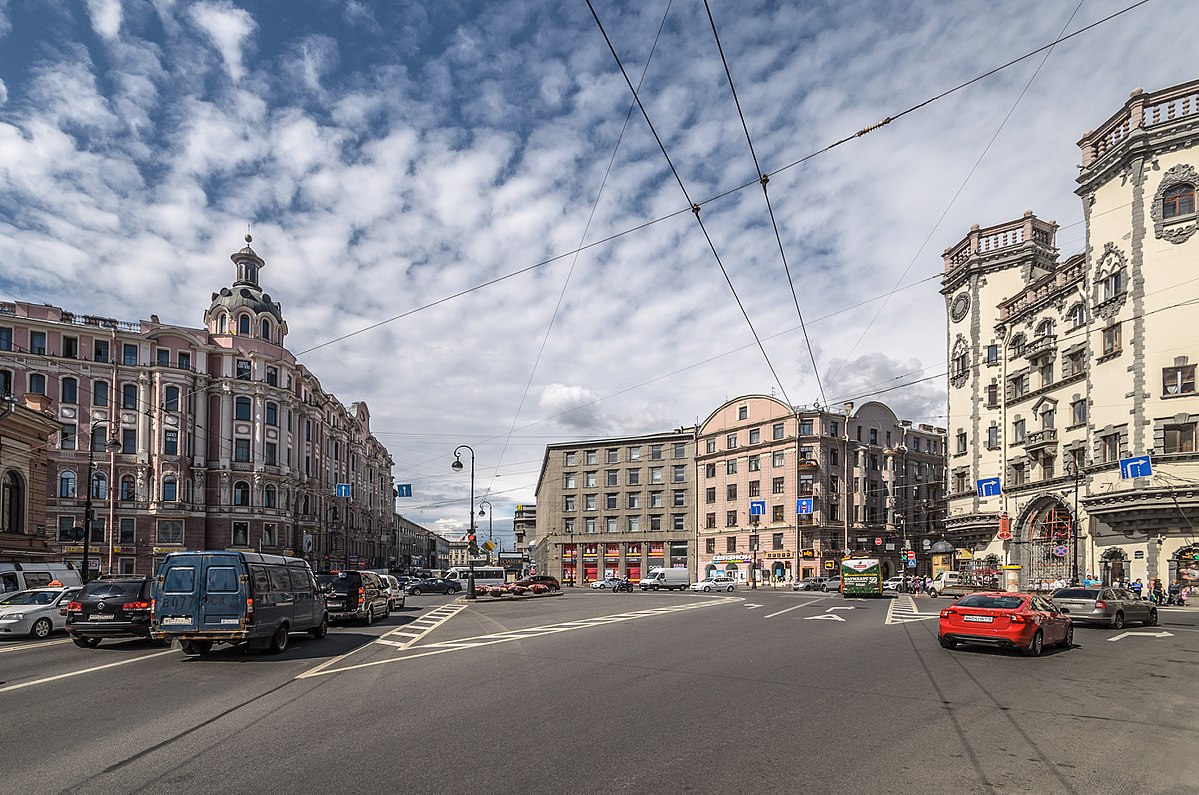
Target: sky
{"x":473,"y":228}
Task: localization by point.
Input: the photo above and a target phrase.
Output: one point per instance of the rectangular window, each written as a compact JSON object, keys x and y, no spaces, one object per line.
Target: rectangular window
{"x":270,"y":454}
{"x":992,"y":437}
{"x":776,"y":430}
{"x":874,"y":435}
{"x":568,"y":502}
{"x":184,"y":361}
{"x":129,"y":396}
{"x":743,"y":412}
{"x":755,"y":488}
{"x":777,"y":459}
{"x":731,"y":491}
{"x":67,"y":440}
{"x":592,"y":458}
{"x":591,"y":479}
{"x":992,"y":354}
{"x":680,"y":449}
{"x":242,"y":372}
{"x":776,"y":540}
{"x":730,"y":467}
{"x":241,"y":451}
{"x":164,"y":357}
{"x":655,"y":452}
{"x":37,"y":342}
{"x":589,"y":502}
{"x":634,"y":477}
{"x":805,"y":427}
{"x":1111,"y":339}
{"x":1179,"y":438}
{"x":678,"y":498}
{"x":730,"y":543}
{"x":241,"y":408}
{"x":710,"y":445}
{"x":570,"y":480}
{"x":992,"y":395}
{"x":679,"y":473}
{"x":272,"y":376}
{"x":1019,"y":476}
{"x":709,"y":470}
{"x":37,"y":384}
{"x":776,"y":486}
{"x":129,"y":355}
{"x":270,"y":537}
{"x":776,"y":515}
{"x":241,"y":534}
{"x":1047,"y":468}
{"x":710,"y":495}
{"x":568,"y":458}
{"x":634,"y":501}
{"x":657,"y":475}
{"x":589,"y":525}
{"x":710,"y":543}
{"x":613,"y":455}
{"x":634,"y":453}
{"x":610,"y":524}
{"x":1018,"y":431}
{"x":710,"y":523}
{"x":127,"y":531}
{"x":5,"y":339}
{"x":612,"y":477}
{"x":655,"y":523}
{"x":100,"y":350}
{"x":610,"y":501}
{"x":678,"y":521}
{"x":272,"y":414}
{"x":755,"y":463}
{"x":730,"y":441}
{"x":1179,"y":380}
{"x":170,"y":442}
{"x":755,"y":435}
{"x":100,"y":393}
{"x":961,"y":442}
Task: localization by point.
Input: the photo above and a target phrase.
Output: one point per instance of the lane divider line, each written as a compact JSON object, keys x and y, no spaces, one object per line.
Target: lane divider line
{"x":47,"y":679}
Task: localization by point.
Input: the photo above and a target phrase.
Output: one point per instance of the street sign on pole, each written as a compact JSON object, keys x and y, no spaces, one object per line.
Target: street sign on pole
{"x":404,"y":490}
{"x":1139,"y":466}
{"x":343,"y":489}
{"x":803,"y":506}
{"x":757,"y":507}
{"x":989,"y":487}
{"x":878,"y":541}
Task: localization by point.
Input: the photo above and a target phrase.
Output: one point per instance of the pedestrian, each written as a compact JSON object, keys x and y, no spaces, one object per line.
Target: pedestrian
{"x":1183,"y":593}
{"x":1138,"y":586}
{"x":1158,"y":594}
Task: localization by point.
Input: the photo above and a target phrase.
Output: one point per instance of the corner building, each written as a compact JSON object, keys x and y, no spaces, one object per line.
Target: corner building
{"x":223,"y":440}
{"x":1061,"y":369}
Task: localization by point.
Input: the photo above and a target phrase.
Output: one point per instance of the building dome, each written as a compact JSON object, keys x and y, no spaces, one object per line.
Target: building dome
{"x":244,"y":294}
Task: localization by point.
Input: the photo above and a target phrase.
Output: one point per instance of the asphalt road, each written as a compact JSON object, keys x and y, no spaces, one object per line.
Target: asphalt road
{"x":669,"y":692}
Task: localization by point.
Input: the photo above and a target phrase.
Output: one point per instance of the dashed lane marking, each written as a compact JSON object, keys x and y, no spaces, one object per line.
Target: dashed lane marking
{"x":903,"y":611}
{"x":464,"y":644}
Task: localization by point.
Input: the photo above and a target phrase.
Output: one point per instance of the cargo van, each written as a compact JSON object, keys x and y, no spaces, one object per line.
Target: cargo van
{"x":202,"y":598}
{"x":22,"y":576}
{"x":670,"y":579}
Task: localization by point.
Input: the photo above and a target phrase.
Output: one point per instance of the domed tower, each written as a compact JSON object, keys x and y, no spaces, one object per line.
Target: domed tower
{"x":244,"y":309}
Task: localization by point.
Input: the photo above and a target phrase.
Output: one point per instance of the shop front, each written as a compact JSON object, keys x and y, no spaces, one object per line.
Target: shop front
{"x":733,"y":564}
{"x":778,"y":567}
{"x":657,"y":555}
{"x":570,"y":563}
{"x":632,"y":561}
{"x":611,"y":560}
{"x":590,"y":563}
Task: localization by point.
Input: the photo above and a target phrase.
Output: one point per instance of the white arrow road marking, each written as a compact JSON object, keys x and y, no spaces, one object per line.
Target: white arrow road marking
{"x":847,"y":607}
{"x":824,"y":617}
{"x":1162,"y":634}
{"x":751,"y":607}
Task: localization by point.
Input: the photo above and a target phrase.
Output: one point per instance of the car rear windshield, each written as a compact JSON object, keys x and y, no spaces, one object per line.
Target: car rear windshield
{"x":340,"y":582}
{"x":993,"y":602}
{"x":111,"y":590}
{"x":1077,"y":593}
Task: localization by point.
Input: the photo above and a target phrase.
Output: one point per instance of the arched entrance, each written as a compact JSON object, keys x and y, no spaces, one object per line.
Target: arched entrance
{"x":1114,"y":566}
{"x":731,"y":570}
{"x":1184,"y":570}
{"x":1046,"y":549}
{"x":710,"y":571}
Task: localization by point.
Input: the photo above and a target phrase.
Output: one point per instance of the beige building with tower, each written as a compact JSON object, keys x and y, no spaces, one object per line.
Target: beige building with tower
{"x":1062,"y":369}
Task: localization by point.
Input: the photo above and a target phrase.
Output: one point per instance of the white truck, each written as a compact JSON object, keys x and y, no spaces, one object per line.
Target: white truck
{"x":670,"y":579}
{"x":955,"y":583}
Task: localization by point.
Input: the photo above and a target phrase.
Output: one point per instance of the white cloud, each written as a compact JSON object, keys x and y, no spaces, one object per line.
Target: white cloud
{"x":228,"y":28}
{"x":106,"y":17}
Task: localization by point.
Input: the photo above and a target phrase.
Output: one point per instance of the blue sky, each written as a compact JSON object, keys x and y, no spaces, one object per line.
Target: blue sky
{"x":389,"y":155}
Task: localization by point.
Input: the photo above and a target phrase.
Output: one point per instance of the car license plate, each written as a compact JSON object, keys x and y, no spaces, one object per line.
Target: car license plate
{"x":980,"y":619}
{"x":101,"y":617}
{"x":332,"y":605}
{"x":168,"y":620}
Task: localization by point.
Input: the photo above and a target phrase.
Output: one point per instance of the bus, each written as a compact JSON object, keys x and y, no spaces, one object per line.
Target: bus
{"x":484,"y":575}
{"x":861,"y":576}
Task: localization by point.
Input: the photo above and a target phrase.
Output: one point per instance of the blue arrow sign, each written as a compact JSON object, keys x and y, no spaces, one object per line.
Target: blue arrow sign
{"x":757,"y":507}
{"x":1138,"y":466}
{"x":404,"y":490}
{"x":803,"y":506}
{"x":343,"y":489}
{"x":989,"y":487}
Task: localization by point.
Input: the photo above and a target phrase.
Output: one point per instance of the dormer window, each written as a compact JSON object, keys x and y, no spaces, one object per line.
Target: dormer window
{"x":243,"y":325}
{"x":266,"y":329}
{"x":1178,"y":201}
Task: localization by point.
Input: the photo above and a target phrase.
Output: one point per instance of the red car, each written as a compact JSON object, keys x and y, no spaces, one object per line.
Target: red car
{"x":540,"y":579}
{"x":1013,"y":620}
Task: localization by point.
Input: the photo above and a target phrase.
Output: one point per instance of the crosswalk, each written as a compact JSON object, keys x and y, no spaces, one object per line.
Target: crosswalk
{"x":405,"y":636}
{"x":903,"y":611}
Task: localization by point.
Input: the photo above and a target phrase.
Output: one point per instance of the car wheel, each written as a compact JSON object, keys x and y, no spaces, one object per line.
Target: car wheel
{"x":1152,"y":620}
{"x":370,"y":615}
{"x":415,"y":592}
{"x":1068,"y":641}
{"x":1034,"y":648}
{"x":41,"y":628}
{"x":450,"y":591}
{"x":707,"y":588}
{"x":279,"y":640}
{"x":730,"y":589}
{"x":86,"y":643}
{"x":321,"y":629}
{"x":656,"y":587}
{"x":932,"y":592}
{"x":947,"y":643}
{"x":1118,"y":622}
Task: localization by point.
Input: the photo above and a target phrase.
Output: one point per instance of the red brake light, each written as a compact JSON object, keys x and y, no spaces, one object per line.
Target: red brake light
{"x":361,"y":595}
{"x":138,"y":605}
{"x":1101,"y":605}
{"x":947,"y":612}
{"x":1018,"y":619}
{"x":75,"y":606}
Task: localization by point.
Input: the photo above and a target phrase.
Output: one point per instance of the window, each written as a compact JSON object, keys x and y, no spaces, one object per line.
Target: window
{"x":610,"y":524}
{"x":1179,"y":380}
{"x":992,"y":353}
{"x":170,"y":442}
{"x":129,"y":396}
{"x":270,"y":496}
{"x":242,"y":370}
{"x":243,"y":324}
{"x":5,"y":339}
{"x":241,"y":493}
{"x":710,"y":445}
{"x":709,"y":470}
{"x":680,"y":449}
{"x":992,"y":437}
{"x":570,"y":458}
{"x":961,"y":441}
{"x":776,"y":515}
{"x":1078,"y":412}
{"x":170,"y":531}
{"x":70,"y":390}
{"x":730,"y":467}
{"x":1019,"y":385}
{"x":67,"y":440}
{"x":634,"y":477}
{"x":164,"y":357}
{"x":589,"y":502}
{"x":776,"y":540}
{"x":776,"y":430}
{"x":170,"y":489}
{"x":128,"y":489}
{"x":992,"y":394}
{"x":37,"y":383}
{"x":241,"y":408}
{"x":1179,"y":438}
{"x":184,"y":361}
{"x":755,"y":463}
{"x":590,"y":479}
{"x":777,"y":458}
{"x":129,"y":355}
{"x":710,"y":495}
{"x":1178,"y":200}
{"x":960,"y":365}
{"x":127,"y":531}
{"x":776,"y":486}
{"x":270,"y":537}
{"x":678,"y":521}
{"x":66,"y":484}
{"x":1111,"y":286}
{"x":100,"y":351}
{"x":100,"y":393}
{"x":743,"y":412}
{"x":1078,"y":315}
{"x":568,"y":502}
{"x":241,"y":535}
{"x":613,"y":455}
{"x":755,"y":488}
{"x":678,"y":498}
{"x":128,"y":441}
{"x":710,"y":523}
{"x":657,"y":475}
{"x":730,"y":491}
{"x":241,"y":451}
{"x":1018,"y":433}
{"x":272,"y":414}
{"x":1111,"y":339}
{"x":610,"y":501}
{"x":1047,"y":467}
{"x":1046,"y":372}
{"x":592,"y":458}
{"x":655,"y":452}
{"x":679,"y":473}
{"x":266,"y":329}
{"x":710,"y":543}
{"x":730,"y":441}
{"x":1019,"y":477}
{"x":634,"y":501}
{"x":99,"y":486}
{"x":805,"y":427}
{"x":1109,"y":448}
{"x":730,"y":543}
{"x":589,"y":525}
{"x":634,"y":453}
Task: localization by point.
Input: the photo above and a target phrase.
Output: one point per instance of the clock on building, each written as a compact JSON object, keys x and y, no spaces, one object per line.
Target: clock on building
{"x":961,"y":305}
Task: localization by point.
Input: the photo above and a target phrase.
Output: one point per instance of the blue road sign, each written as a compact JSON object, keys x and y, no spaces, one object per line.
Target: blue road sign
{"x":757,"y":507}
{"x":911,"y":563}
{"x":1136,"y":467}
{"x":404,"y":490}
{"x":989,"y":487}
{"x":803,"y":505}
{"x":343,"y":489}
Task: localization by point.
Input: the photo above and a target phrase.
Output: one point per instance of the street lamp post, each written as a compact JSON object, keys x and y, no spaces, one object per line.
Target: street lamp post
{"x":1073,"y":464}
{"x":488,"y":513}
{"x":111,"y":446}
{"x":753,"y":548}
{"x":470,"y":527}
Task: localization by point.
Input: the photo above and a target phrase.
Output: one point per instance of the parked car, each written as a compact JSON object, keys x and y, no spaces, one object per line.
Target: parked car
{"x":1112,"y":607}
{"x":354,"y":595}
{"x":36,"y":612}
{"x":1014,"y":620}
{"x":540,"y":579}
{"x":432,"y":585}
{"x":810,"y":584}
{"x":892,"y":583}
{"x":607,"y":582}
{"x":831,"y":584}
{"x":715,"y":584}
{"x":110,"y":607}
{"x":395,"y":592}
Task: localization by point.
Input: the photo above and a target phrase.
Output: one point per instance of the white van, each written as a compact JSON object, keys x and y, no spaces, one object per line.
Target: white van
{"x":21,"y":576}
{"x":670,"y":579}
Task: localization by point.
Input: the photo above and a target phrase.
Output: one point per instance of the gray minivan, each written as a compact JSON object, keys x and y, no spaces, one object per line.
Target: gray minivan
{"x":203,"y":598}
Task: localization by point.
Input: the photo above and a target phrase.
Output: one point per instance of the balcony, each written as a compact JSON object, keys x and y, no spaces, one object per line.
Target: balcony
{"x":808,"y":463}
{"x":1045,"y":344}
{"x":1039,"y":440}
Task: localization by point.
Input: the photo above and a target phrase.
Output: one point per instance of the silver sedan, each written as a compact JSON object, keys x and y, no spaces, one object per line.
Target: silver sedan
{"x":1113,"y":607}
{"x":36,"y":612}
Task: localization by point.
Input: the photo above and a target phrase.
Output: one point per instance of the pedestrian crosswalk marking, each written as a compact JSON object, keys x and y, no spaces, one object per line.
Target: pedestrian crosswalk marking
{"x":903,"y":611}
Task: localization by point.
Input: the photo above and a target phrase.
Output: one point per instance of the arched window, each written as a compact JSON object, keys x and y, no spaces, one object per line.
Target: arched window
{"x":268,"y":497}
{"x":1016,"y":346}
{"x":241,"y":493}
{"x":70,"y":390}
{"x":99,"y":486}
{"x":12,"y":503}
{"x":170,"y":489}
{"x":129,"y":396}
{"x":66,"y":484}
{"x":1178,"y":200}
{"x":1078,"y":315}
{"x":1045,"y":327}
{"x":222,"y":323}
{"x":243,"y":325}
{"x":266,"y":329}
{"x":171,"y":400}
{"x":128,"y":489}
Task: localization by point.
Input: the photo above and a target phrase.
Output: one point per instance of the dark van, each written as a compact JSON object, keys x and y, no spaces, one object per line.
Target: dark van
{"x":203,"y":598}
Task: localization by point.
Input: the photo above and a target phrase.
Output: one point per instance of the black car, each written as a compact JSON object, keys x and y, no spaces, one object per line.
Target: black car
{"x":110,"y":607}
{"x":432,"y":585}
{"x":354,"y":595}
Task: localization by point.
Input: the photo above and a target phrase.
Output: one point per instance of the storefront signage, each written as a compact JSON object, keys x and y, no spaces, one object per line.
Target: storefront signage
{"x":737,"y":557}
{"x":807,"y":553}
{"x":784,"y":555}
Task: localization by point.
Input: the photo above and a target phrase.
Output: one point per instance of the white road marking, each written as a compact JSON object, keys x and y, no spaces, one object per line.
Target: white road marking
{"x":785,"y":610}
{"x":1162,"y":634}
{"x":752,"y":607}
{"x":439,"y":617}
{"x":43,"y":681}
{"x":24,"y":646}
{"x":903,"y":611}
{"x":824,"y":617}
{"x":843,"y":607}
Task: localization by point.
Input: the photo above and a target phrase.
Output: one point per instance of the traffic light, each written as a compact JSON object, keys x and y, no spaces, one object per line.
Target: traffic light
{"x":473,"y":544}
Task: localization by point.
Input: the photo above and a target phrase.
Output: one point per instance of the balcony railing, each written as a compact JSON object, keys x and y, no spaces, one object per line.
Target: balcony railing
{"x":1040,"y":346}
{"x":1040,"y":439}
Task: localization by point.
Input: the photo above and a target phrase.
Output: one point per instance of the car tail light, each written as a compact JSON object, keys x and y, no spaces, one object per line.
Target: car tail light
{"x":249,"y":609}
{"x":1101,"y":605}
{"x":75,"y":606}
{"x":1018,"y":619}
{"x":947,"y":612}
{"x":361,"y":595}
{"x":138,"y":605}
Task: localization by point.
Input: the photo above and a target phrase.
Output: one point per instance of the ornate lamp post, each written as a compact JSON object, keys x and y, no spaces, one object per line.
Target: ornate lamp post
{"x":489,"y":513}
{"x":111,"y":446}
{"x":470,"y":527}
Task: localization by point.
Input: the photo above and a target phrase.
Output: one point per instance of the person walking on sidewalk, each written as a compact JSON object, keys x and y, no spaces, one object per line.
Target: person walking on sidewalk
{"x":1159,"y":596}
